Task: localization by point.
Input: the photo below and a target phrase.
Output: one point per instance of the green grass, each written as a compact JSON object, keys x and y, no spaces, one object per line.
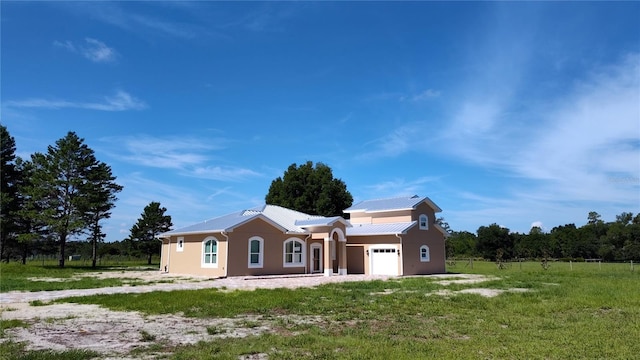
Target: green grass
{"x":16,"y":351}
{"x":8,"y":324}
{"x":566,"y":314}
{"x":15,"y":276}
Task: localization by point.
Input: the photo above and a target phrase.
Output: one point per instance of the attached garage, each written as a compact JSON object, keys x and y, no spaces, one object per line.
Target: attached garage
{"x":384,"y":260}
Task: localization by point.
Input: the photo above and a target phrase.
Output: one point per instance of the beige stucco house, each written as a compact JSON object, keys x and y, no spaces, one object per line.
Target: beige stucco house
{"x":397,"y":236}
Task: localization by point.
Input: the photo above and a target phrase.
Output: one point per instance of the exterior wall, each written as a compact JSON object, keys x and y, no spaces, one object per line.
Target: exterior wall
{"x":273,"y":257}
{"x":381,"y":217}
{"x":366,"y":243}
{"x":189,"y":261}
{"x":415,"y":238}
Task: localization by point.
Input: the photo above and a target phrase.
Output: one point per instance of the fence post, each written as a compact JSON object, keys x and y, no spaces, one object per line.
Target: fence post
{"x":631,"y":265}
{"x":599,"y":265}
{"x":570,"y":265}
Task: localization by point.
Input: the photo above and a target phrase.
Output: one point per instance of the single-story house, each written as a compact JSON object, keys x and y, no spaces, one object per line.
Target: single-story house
{"x":396,"y":236}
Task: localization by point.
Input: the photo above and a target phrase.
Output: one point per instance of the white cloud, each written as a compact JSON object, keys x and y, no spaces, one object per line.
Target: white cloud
{"x":224,"y":173}
{"x":94,"y":50}
{"x":173,"y":152}
{"x":399,"y":187}
{"x":120,"y":101}
{"x":97,"y":51}
{"x":427,"y":94}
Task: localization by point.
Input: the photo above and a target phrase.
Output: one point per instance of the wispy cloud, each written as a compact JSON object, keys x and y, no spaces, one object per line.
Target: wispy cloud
{"x":427,"y":94}
{"x":224,"y":173}
{"x":94,"y":50}
{"x":120,"y":101}
{"x":187,"y":156}
{"x":173,"y":152}
{"x":399,"y":187}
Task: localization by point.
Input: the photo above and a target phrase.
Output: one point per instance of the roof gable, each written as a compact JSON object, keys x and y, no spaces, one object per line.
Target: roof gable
{"x":391,"y":204}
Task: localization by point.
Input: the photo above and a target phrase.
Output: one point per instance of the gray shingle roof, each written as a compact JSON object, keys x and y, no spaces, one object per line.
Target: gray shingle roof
{"x":380,"y":229}
{"x":391,"y":204}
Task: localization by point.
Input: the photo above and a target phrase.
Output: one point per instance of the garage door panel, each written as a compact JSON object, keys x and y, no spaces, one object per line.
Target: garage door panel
{"x":384,"y":261}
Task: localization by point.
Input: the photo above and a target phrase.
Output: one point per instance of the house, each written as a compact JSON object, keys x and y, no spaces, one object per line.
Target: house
{"x":397,"y":236}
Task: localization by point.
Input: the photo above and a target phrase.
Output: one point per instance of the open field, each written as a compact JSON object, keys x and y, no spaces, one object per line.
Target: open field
{"x":588,"y":311}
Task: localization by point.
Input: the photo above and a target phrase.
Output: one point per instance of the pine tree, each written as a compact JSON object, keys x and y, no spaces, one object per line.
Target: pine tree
{"x":8,"y":192}
{"x":59,"y":195}
{"x":151,"y":223}
{"x":101,"y":190}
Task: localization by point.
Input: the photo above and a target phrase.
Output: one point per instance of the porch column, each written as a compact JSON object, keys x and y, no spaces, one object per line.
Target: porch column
{"x":342,"y":258}
{"x":326,"y":254}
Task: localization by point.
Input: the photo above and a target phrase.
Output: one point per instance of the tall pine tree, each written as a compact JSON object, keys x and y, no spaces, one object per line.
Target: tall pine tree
{"x":101,"y":192}
{"x":151,"y":223}
{"x":60,"y":195}
{"x":8,"y":192}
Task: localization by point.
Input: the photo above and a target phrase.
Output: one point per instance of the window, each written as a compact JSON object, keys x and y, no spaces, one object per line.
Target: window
{"x":293,"y":253}
{"x":256,"y":251}
{"x":210,"y":252}
{"x":424,"y":254}
{"x":180,"y":246}
{"x":424,"y":222}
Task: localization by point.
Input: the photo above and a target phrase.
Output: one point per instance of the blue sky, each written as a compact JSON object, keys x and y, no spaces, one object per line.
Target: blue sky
{"x":513,"y":113}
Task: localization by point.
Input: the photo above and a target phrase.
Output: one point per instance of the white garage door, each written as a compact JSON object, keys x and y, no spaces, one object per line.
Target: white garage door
{"x":384,"y":261}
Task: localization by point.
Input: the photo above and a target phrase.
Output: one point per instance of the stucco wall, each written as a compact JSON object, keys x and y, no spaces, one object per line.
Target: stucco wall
{"x":273,"y":259}
{"x":415,"y":238}
{"x":189,"y":261}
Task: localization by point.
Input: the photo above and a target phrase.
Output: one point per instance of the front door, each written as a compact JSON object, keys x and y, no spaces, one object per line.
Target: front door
{"x":316,"y":258}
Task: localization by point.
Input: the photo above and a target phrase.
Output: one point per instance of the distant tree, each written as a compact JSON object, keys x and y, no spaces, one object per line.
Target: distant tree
{"x":568,"y":239}
{"x":151,"y":223}
{"x":309,"y":189}
{"x":444,"y":224}
{"x":593,"y":217}
{"x":58,"y":195}
{"x":494,"y":240}
{"x":101,"y":192}
{"x":461,"y":243}
{"x":9,"y":205}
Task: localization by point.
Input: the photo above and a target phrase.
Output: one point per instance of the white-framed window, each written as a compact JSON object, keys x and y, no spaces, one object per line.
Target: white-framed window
{"x":256,"y":252}
{"x":294,"y":253}
{"x":180,"y":244}
{"x":424,"y":222}
{"x":425,"y":256}
{"x":210,"y":252}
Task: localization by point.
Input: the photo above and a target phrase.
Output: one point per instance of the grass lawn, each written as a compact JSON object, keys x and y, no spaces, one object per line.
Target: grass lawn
{"x":590,"y":311}
{"x":35,"y":277}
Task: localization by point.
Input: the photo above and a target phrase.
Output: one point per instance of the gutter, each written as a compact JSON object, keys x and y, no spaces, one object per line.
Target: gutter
{"x":306,"y":246}
{"x":226,"y":268}
{"x":168,"y":253}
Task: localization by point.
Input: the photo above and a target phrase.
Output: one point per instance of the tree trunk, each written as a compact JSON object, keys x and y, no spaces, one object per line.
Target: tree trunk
{"x":149,"y":259}
{"x":63,"y":240}
{"x":94,"y":252}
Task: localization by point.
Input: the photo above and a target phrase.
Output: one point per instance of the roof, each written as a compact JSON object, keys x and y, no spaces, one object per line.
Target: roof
{"x":286,"y":220}
{"x":380,"y":229}
{"x":391,"y":204}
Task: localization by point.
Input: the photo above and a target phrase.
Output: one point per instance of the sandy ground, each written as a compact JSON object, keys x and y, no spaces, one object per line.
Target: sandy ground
{"x":116,"y":333}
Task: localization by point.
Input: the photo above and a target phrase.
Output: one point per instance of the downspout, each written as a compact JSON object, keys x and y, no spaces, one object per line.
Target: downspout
{"x":226,"y":259}
{"x":400,"y":254}
{"x":168,"y":252}
{"x":306,"y":247}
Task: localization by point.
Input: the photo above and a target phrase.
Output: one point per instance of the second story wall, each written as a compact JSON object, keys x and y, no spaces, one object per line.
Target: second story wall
{"x":381,"y":217}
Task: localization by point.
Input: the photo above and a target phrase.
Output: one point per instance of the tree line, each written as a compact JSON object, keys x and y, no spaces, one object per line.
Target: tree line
{"x":61,"y":195}
{"x":617,"y":240}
